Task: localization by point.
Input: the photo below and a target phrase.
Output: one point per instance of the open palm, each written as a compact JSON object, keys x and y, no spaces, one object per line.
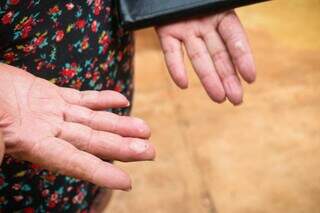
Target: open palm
{"x":63,"y":130}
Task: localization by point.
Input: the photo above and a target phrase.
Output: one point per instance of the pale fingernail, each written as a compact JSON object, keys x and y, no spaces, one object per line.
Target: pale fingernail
{"x":240,"y":46}
{"x":142,"y":125}
{"x":138,"y":147}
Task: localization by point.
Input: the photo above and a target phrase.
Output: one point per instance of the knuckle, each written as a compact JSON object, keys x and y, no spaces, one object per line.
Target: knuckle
{"x":88,"y":143}
{"x":91,"y":117}
{"x":71,"y":167}
{"x":196,"y":55}
{"x":220,"y":55}
{"x":170,"y":49}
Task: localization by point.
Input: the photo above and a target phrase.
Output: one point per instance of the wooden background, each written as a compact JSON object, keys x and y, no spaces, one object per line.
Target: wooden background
{"x":263,"y":156}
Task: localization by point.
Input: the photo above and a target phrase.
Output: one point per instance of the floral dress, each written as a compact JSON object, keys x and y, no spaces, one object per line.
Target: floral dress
{"x":72,"y":43}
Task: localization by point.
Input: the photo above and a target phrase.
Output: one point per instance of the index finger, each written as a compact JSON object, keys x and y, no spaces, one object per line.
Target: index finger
{"x":107,"y":121}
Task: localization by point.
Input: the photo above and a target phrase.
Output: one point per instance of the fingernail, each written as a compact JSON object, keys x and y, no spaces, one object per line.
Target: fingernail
{"x":139,"y":146}
{"x":143,"y":127}
{"x":128,"y":104}
{"x":240,"y":46}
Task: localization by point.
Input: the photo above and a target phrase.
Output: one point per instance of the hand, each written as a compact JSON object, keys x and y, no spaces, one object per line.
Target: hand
{"x":217,"y":46}
{"x":59,"y":129}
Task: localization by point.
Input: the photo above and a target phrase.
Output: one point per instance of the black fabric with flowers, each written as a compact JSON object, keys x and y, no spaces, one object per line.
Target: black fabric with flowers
{"x":77,"y":44}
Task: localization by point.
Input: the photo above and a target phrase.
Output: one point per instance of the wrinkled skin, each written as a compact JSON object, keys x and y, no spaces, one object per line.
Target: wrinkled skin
{"x":62,"y":130}
{"x":65,"y":130}
{"x":218,"y":49}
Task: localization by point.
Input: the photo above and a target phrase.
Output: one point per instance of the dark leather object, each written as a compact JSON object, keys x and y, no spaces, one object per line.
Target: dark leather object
{"x":136,"y":14}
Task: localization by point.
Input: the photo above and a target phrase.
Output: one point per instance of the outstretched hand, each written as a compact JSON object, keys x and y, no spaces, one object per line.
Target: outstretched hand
{"x":63,"y":130}
{"x":218,"y":49}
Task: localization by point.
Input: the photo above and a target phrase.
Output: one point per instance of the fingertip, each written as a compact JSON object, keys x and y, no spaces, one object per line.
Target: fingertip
{"x":151,"y":153}
{"x":182,"y":84}
{"x":236,"y":101}
{"x":219,"y":100}
{"x":114,"y":178}
{"x":247,"y":70}
{"x":218,"y":96}
{"x":143,"y":128}
{"x":118,"y":97}
{"x":140,"y":150}
{"x":233,"y":88}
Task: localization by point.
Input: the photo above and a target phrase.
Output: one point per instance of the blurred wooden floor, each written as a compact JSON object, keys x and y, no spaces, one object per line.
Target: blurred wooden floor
{"x":263,"y":156}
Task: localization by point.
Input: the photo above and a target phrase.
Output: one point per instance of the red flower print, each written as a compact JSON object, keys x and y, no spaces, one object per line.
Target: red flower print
{"x":97,"y":7}
{"x":80,"y":24}
{"x":50,"y":178}
{"x":25,"y":31}
{"x":28,"y":48}
{"x":14,"y":2}
{"x":54,"y":10}
{"x":28,"y":210}
{"x":96,"y":76}
{"x":85,"y":43}
{"x":77,"y":85}
{"x":118,"y":88}
{"x":69,"y":73}
{"x":59,"y":35}
{"x":40,"y":39}
{"x":78,"y":198}
{"x":7,"y":18}
{"x":52,"y":204}
{"x":104,"y":40}
{"x":120,"y":56}
{"x":53,"y":200}
{"x":69,"y":6}
{"x":9,"y":56}
{"x":94,"y":26}
{"x":88,"y":75}
{"x":35,"y":166}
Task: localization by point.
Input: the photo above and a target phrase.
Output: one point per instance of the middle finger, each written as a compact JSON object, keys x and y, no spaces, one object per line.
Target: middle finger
{"x":204,"y":68}
{"x":106,"y":145}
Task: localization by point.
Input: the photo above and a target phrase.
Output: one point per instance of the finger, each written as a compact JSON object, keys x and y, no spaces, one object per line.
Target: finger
{"x":106,"y":145}
{"x":58,"y":155}
{"x":234,"y":36}
{"x":107,"y":121}
{"x":224,"y":67}
{"x":98,"y":100}
{"x":204,"y":68}
{"x":173,"y":55}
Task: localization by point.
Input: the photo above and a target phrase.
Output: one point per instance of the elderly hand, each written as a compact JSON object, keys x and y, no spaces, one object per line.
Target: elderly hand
{"x":217,"y":47}
{"x":62,"y":129}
